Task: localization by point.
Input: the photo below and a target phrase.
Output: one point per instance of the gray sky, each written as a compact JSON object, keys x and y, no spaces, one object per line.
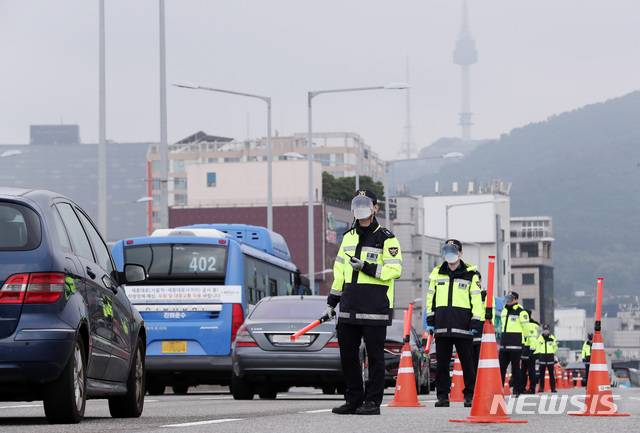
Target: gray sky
{"x":536,"y":59}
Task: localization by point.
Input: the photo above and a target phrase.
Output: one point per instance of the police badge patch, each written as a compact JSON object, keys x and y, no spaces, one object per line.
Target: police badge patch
{"x":393,"y":251}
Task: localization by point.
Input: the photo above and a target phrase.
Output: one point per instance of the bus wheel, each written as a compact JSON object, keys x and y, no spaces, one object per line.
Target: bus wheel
{"x":180,"y":389}
{"x":155,"y":388}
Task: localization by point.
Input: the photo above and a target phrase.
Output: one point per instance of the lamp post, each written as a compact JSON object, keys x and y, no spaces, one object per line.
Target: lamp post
{"x":310,"y":96}
{"x":187,"y":85}
{"x":387,"y":193}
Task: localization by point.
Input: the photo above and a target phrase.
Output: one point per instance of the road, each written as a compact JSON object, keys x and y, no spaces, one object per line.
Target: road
{"x":308,"y":410}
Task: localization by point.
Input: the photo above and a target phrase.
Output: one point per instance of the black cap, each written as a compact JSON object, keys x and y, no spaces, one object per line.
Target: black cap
{"x":590,"y":336}
{"x":369,"y":194}
{"x":545,"y":327}
{"x":514,"y":294}
{"x":454,"y":242}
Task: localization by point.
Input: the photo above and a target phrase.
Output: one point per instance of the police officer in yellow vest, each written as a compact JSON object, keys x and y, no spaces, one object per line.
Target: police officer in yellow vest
{"x":529,"y":363}
{"x":586,"y":355}
{"x":547,"y":346}
{"x":368,"y":262}
{"x":515,"y":326}
{"x":454,"y":315}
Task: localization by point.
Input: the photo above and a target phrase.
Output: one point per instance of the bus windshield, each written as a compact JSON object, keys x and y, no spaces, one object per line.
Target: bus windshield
{"x":180,"y":261}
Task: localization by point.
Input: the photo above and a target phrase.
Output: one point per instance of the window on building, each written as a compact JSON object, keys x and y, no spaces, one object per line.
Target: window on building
{"x":513,"y":279}
{"x":529,"y":303}
{"x":180,"y":183}
{"x":179,"y":165}
{"x":155,"y":166}
{"x":529,"y":250}
{"x":211,"y":179}
{"x":180,"y":199}
{"x":156,"y":183}
{"x":528,"y":279}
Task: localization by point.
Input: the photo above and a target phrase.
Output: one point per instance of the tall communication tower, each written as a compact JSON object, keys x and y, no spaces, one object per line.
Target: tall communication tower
{"x":408,"y":149}
{"x":465,"y":54}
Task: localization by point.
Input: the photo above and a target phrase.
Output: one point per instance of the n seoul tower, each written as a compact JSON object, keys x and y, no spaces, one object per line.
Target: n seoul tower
{"x":465,"y":54}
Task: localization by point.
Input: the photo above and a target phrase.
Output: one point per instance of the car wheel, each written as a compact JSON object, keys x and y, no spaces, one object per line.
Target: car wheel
{"x":241,"y":389}
{"x":328,"y":389}
{"x":131,"y":404}
{"x":154,"y":387}
{"x":180,"y":389}
{"x":65,"y":398}
{"x":267,"y":392}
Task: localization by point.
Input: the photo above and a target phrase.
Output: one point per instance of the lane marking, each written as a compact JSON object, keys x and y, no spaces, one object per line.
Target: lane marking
{"x":213,"y":421}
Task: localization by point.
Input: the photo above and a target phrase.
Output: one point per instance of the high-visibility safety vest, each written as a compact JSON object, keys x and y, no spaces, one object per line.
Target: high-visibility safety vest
{"x":366,"y":296}
{"x":531,"y":340}
{"x":454,"y":303}
{"x":515,"y":326}
{"x":547,"y":345}
{"x":586,"y":351}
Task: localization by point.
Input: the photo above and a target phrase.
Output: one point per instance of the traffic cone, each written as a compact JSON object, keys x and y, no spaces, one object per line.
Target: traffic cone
{"x":599,"y":400}
{"x":547,"y":381}
{"x":406,"y":394}
{"x":559,"y":383}
{"x":571,"y":384}
{"x":488,"y":384}
{"x":565,"y":380}
{"x":505,"y":389}
{"x":457,"y":382}
{"x":579,"y":383}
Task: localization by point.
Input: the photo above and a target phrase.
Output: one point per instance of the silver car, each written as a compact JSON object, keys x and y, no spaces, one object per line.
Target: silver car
{"x":266,"y":360}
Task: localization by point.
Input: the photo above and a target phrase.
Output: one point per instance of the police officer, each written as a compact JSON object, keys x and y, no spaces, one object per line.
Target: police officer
{"x":515,"y":325}
{"x":454,"y":315}
{"x":368,"y":262}
{"x":547,"y":346}
{"x":586,"y":355}
{"x":529,"y":366}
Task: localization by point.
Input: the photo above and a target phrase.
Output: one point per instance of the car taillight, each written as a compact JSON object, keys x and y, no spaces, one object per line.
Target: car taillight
{"x":333,"y":343}
{"x":393,"y":348}
{"x":236,"y":320}
{"x":244,"y":339}
{"x":40,"y":288}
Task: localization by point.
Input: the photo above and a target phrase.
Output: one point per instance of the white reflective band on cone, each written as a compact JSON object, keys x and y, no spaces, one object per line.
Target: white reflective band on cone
{"x":596,"y":346}
{"x":489,"y":338}
{"x":406,"y":354}
{"x":457,"y":372}
{"x":405,"y":370}
{"x":598,"y":367}
{"x":488,"y":363}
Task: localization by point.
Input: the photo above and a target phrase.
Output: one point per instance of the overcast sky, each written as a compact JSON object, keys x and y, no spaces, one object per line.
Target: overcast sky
{"x":535,"y":59}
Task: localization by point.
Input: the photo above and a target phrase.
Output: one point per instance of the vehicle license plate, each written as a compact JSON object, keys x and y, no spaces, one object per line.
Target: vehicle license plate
{"x":174,"y":347}
{"x":280,"y":338}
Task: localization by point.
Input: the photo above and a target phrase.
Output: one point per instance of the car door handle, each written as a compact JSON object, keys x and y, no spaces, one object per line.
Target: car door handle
{"x":91,"y":273}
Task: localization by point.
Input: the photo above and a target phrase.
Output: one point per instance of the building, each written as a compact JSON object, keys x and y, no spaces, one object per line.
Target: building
{"x":57,"y":161}
{"x":532,"y":265}
{"x":341,"y":154}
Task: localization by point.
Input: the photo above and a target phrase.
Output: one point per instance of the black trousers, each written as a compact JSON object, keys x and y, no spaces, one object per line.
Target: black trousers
{"x":547,"y":363}
{"x":526,"y":365}
{"x":349,"y":338}
{"x":444,"y":349}
{"x":476,"y":356}
{"x":587,"y":363}
{"x":531,"y":370}
{"x":512,"y":357}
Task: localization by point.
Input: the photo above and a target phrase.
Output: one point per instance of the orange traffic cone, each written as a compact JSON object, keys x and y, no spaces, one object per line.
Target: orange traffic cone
{"x":457,"y":382}
{"x":559,"y":383}
{"x":406,"y":393}
{"x":571,"y":384}
{"x":505,"y":389}
{"x":579,"y":383}
{"x":599,"y":400}
{"x":547,"y":382}
{"x":488,"y":401}
{"x":565,"y":381}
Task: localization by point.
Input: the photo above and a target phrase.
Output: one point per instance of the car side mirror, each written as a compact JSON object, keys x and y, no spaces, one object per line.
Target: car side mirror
{"x":134,"y":273}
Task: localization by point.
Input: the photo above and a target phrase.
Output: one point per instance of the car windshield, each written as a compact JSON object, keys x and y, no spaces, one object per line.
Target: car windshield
{"x":622,"y":374}
{"x":290,"y":309}
{"x":20,"y":228}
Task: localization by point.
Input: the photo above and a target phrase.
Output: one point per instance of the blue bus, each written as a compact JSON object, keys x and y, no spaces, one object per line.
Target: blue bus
{"x":202,"y":279}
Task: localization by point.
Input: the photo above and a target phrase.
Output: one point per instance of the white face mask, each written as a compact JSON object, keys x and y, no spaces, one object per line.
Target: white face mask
{"x":451,"y":258}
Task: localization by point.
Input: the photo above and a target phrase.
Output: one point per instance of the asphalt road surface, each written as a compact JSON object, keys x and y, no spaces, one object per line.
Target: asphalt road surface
{"x":308,"y":410}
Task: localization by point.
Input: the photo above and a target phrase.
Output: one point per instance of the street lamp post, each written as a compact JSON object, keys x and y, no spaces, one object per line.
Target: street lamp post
{"x":266,"y":99}
{"x":387,"y":193}
{"x":310,"y":96}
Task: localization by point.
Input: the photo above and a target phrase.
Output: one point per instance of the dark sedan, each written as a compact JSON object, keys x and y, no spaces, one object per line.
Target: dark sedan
{"x":67,"y":329}
{"x":393,"y":352}
{"x":265,"y":359}
{"x":576,"y":367}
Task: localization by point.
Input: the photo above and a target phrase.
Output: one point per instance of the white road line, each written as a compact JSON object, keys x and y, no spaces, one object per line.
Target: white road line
{"x":213,"y":421}
{"x":316,"y":411}
{"x":20,"y":406}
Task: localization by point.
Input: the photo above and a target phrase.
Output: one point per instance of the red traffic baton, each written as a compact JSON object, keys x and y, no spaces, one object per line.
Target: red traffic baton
{"x":428,"y":346}
{"x":307,"y":328}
